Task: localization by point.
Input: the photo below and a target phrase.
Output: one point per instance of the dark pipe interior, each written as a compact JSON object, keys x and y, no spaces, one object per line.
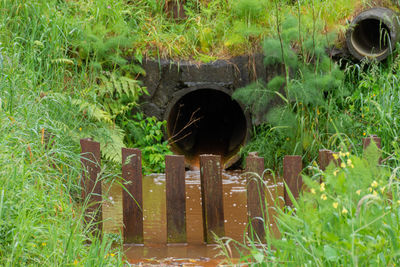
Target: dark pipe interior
{"x":206,"y":121}
{"x":371,"y":36}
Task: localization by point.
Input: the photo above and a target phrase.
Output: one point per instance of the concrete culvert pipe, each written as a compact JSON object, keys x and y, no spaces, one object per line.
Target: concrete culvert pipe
{"x":206,"y":121}
{"x":373,"y":34}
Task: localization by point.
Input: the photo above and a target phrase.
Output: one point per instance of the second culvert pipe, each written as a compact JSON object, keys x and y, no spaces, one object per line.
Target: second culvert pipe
{"x":373,"y":34}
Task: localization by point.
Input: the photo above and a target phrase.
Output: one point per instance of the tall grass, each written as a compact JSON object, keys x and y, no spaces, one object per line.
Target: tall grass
{"x":345,"y":216}
{"x":40,"y":212}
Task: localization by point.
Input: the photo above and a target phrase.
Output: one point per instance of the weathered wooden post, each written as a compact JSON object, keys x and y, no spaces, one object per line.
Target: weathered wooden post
{"x":256,"y":196}
{"x":292,"y":167}
{"x":175,"y":8}
{"x":132,"y":200}
{"x":367,"y":141}
{"x":325,"y":157}
{"x":211,"y":197}
{"x":90,"y":182}
{"x":175,"y":198}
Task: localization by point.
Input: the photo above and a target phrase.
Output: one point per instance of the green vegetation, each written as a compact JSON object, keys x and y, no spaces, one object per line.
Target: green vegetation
{"x":349,"y":215}
{"x":69,"y":70}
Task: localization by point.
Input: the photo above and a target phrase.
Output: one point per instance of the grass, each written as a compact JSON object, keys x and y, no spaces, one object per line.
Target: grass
{"x":348,"y":215}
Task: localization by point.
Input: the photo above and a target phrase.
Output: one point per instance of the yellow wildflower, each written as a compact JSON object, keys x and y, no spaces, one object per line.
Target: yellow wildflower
{"x":398,"y":202}
{"x":80,"y":128}
{"x":344,"y":211}
{"x":364,"y":133}
{"x":76,"y":262}
{"x":335,"y":205}
{"x":312,"y":191}
{"x":343,"y":165}
{"x":370,"y":189}
{"x":335,"y":172}
{"x":347,"y":154}
{"x":44,"y":244}
{"x":374,"y":193}
{"x":322,"y":187}
{"x":335,"y":155}
{"x":348,"y":162}
{"x":323,"y":197}
{"x":112,"y":254}
{"x":358,"y":192}
{"x":374,"y":184}
{"x":352,"y":166}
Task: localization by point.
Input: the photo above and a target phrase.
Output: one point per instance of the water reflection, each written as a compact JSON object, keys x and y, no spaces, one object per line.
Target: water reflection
{"x":154,"y":212}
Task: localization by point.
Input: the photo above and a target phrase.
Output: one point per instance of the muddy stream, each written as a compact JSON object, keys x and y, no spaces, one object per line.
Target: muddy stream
{"x":195,"y":252}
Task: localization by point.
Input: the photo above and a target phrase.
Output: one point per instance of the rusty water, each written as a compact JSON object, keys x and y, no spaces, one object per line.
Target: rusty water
{"x":155,"y":250}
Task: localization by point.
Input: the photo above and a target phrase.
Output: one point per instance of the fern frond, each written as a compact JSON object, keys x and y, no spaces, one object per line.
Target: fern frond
{"x":92,"y":110}
{"x":111,"y":139}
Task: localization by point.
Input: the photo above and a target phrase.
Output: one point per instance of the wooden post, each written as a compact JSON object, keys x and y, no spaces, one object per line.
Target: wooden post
{"x":367,"y":141}
{"x":292,"y":167}
{"x":175,"y":8}
{"x":211,"y":197}
{"x":256,"y":196}
{"x":175,"y":198}
{"x":325,"y":157}
{"x":132,"y":202}
{"x":90,"y":182}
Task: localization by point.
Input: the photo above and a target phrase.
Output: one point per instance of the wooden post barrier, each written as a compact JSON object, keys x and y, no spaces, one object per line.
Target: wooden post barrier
{"x":175,"y":198}
{"x":256,"y":196}
{"x":292,"y":167}
{"x":132,"y":200}
{"x":211,"y":197}
{"x":90,"y":182}
{"x":325,"y":157}
{"x":367,"y":141}
{"x":175,"y":9}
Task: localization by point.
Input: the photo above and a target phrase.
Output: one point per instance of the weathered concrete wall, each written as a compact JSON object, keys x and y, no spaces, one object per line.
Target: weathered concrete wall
{"x":165,"y":78}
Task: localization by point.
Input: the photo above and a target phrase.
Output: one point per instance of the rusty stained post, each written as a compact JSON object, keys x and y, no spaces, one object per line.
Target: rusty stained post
{"x":292,"y":167}
{"x":256,"y":196}
{"x":211,"y":197}
{"x":132,"y":207}
{"x":325,"y":157}
{"x":90,"y":182}
{"x":175,"y":198}
{"x":175,"y":8}
{"x":367,"y":141}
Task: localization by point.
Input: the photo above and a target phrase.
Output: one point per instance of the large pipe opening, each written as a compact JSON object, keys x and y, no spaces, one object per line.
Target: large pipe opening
{"x":373,"y":34}
{"x":371,"y":37}
{"x":206,"y":121}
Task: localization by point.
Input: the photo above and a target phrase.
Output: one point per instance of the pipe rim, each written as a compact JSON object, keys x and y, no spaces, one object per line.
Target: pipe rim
{"x":388,"y":18}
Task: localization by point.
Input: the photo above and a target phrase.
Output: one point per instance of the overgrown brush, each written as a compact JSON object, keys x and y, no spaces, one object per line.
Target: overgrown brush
{"x":301,"y":106}
{"x":40,"y":209}
{"x":347,"y":215}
